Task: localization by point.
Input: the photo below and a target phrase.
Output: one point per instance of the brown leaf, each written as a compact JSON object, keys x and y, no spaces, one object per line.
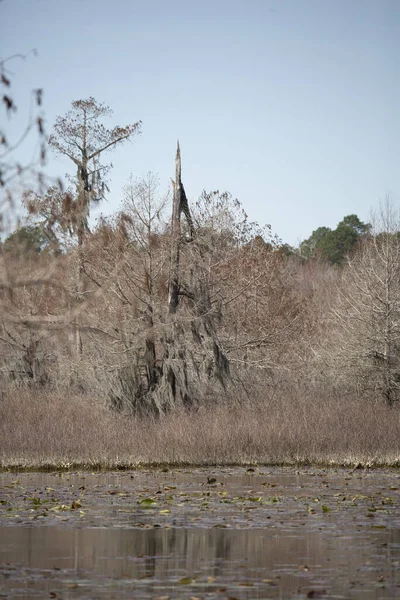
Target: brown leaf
{"x":5,"y":81}
{"x":9,"y":103}
{"x":39,"y":122}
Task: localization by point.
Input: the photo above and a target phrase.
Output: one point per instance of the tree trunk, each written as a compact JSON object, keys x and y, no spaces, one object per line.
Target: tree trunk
{"x":173,"y":299}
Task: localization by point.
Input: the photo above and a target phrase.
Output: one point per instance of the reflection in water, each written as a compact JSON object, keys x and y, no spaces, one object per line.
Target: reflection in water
{"x":216,"y":540}
{"x":152,"y":561}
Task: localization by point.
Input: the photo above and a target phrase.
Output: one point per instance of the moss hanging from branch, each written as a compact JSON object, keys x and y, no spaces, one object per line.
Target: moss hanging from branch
{"x":182,"y":357}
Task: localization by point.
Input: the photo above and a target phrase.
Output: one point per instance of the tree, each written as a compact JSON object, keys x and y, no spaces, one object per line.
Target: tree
{"x":358,"y":227}
{"x":28,"y":239}
{"x":162,"y":337}
{"x":309,"y":247}
{"x":193,"y":353}
{"x":143,"y":210}
{"x":176,"y":343}
{"x":339,"y":243}
{"x":82,"y":137}
{"x":127,"y":258}
{"x":364,"y":348}
{"x":334,"y":245}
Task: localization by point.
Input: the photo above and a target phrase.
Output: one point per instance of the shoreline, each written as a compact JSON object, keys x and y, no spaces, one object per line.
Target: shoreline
{"x":167,"y":466}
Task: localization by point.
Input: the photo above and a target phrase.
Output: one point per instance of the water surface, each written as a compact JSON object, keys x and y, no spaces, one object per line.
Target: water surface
{"x":201,"y":533}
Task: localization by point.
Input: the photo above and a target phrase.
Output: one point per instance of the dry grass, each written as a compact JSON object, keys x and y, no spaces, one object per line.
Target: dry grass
{"x":43,"y":430}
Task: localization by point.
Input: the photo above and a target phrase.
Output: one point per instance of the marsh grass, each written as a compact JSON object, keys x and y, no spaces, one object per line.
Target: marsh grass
{"x":49,"y":430}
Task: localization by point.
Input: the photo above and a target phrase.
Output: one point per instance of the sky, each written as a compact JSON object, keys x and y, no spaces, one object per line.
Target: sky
{"x":290,"y":105}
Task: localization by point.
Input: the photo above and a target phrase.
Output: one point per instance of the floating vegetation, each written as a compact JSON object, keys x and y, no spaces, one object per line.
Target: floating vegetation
{"x":179,"y":518}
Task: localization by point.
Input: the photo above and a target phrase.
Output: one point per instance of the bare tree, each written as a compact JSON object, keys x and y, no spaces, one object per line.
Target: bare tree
{"x":365,"y":342}
{"x":142,"y":220}
{"x":193,"y":352}
{"x":82,"y":137}
{"x":166,"y":341}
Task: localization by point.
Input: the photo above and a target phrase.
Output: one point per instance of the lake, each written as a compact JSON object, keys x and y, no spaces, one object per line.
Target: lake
{"x":220,"y":533}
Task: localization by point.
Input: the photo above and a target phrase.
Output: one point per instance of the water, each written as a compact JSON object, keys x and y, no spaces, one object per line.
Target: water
{"x":272,"y":533}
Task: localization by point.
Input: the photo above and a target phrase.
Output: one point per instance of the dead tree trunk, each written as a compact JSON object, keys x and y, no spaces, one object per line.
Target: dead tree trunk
{"x":82,"y":204}
{"x":173,"y":295}
{"x":193,"y":355}
{"x":179,"y":358}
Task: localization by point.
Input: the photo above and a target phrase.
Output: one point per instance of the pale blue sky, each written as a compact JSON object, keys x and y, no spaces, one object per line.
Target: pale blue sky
{"x":291,"y":105}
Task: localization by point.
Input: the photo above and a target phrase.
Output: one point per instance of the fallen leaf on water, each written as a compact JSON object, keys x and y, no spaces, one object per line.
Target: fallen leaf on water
{"x":147,"y":502}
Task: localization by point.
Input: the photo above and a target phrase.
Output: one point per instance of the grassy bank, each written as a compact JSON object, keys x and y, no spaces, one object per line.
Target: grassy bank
{"x":43,"y":430}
